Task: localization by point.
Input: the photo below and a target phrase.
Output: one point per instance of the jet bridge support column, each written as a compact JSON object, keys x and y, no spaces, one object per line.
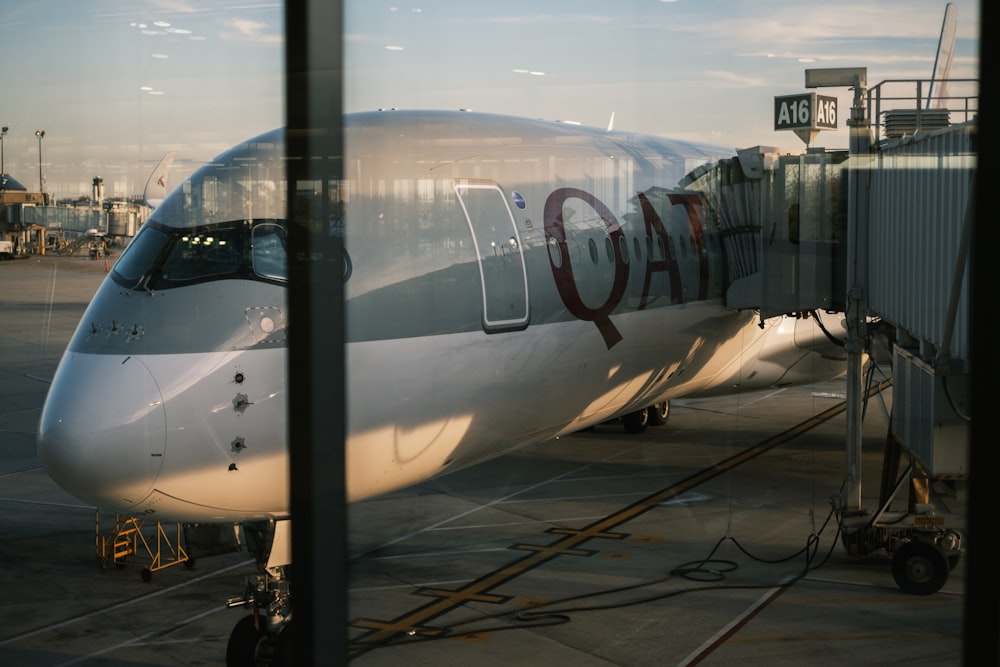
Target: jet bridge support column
{"x":858,"y":178}
{"x":857,"y":282}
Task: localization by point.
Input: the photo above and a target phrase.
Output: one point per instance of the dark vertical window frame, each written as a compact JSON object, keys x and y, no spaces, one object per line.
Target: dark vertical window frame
{"x":981,"y":641}
{"x":314,"y":149}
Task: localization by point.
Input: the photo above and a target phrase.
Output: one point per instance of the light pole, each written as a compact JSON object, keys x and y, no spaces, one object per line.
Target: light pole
{"x":41,"y":186}
{"x":3,"y":173}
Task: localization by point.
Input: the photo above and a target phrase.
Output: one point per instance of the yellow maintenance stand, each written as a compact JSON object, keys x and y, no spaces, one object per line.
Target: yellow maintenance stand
{"x":126,"y":540}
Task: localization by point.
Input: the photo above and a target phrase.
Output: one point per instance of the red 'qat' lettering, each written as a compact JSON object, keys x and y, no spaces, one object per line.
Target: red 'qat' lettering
{"x":692,"y":204}
{"x":563,"y":274}
{"x":654,"y":226}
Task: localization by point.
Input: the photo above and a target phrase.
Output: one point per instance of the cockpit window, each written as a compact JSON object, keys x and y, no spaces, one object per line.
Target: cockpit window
{"x":162,"y":257}
{"x":140,"y":255}
{"x":269,"y":256}
{"x":202,"y":255}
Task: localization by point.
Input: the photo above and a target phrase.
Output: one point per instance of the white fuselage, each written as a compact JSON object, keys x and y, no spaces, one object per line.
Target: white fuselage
{"x":506,"y":281}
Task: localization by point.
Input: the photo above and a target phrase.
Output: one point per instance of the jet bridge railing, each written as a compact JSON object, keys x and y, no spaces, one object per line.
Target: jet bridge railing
{"x":903,"y":107}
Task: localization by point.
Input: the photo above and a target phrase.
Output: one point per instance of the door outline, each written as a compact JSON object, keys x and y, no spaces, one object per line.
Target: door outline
{"x":495,"y":244}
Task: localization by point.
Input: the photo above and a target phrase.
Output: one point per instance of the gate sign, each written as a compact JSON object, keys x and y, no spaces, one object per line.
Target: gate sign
{"x":806,"y":111}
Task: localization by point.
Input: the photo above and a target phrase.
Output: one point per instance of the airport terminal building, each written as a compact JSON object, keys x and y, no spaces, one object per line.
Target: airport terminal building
{"x":30,"y":223}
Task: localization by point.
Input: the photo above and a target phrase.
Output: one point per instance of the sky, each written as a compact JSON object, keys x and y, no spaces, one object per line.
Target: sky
{"x":115,"y":85}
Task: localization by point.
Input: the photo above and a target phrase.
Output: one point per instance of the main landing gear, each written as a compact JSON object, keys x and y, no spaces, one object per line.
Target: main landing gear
{"x":265,"y":635}
{"x":654,"y":415}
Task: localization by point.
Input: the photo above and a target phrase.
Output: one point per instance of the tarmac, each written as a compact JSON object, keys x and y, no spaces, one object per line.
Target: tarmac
{"x":710,"y":540}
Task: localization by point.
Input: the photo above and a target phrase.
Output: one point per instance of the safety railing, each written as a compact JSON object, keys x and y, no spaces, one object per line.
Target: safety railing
{"x":901,"y":107}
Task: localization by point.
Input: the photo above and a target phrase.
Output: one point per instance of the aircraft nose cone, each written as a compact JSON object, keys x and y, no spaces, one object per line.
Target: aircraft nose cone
{"x":102,"y":433}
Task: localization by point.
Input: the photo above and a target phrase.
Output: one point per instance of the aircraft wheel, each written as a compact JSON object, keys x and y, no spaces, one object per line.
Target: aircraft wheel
{"x":241,"y":651}
{"x":284,"y":648}
{"x":659,"y":413}
{"x":919,"y":568}
{"x":636,"y":422}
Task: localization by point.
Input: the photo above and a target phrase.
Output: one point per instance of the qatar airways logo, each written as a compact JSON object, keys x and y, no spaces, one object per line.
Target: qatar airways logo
{"x":562,"y":266}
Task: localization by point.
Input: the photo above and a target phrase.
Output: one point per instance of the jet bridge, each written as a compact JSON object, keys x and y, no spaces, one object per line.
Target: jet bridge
{"x":786,"y":230}
{"x":881,"y":233}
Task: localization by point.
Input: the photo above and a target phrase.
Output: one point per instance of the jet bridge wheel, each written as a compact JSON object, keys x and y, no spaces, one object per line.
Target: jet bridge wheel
{"x":920,"y":568}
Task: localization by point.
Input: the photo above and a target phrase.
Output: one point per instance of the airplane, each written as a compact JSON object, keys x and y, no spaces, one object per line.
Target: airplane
{"x":506,"y":281}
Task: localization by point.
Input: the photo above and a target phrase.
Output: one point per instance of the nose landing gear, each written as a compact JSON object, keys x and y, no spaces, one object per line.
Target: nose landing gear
{"x":265,"y":636}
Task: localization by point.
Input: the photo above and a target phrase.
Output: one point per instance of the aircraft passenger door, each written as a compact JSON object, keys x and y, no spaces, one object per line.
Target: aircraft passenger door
{"x":498,"y":249}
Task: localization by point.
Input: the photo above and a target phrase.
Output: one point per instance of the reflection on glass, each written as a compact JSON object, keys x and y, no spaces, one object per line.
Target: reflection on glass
{"x":483,"y":313}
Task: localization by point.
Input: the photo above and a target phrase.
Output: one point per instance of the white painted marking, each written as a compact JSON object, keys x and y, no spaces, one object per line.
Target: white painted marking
{"x":121,"y":605}
{"x":139,"y":640}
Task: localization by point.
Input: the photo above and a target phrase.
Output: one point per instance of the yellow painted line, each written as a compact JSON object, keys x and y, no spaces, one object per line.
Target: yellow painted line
{"x":415,"y":621}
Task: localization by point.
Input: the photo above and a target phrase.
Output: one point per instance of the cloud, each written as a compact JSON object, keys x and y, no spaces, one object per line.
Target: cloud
{"x":735,"y":79}
{"x":248,"y":30}
{"x":173,"y":6}
{"x":802,"y":28}
{"x":555,"y":19}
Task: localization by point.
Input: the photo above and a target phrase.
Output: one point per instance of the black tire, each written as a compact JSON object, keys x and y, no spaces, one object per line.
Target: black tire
{"x":284,"y":648}
{"x":241,"y":651}
{"x":659,"y":413}
{"x":146,"y":575}
{"x":920,"y":568}
{"x":636,"y":422}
